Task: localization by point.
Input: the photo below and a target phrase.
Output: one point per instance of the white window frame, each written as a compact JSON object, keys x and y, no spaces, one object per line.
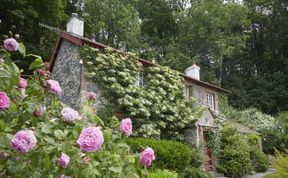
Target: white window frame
{"x":210,"y":100}
{"x":140,"y":79}
{"x":186,"y":92}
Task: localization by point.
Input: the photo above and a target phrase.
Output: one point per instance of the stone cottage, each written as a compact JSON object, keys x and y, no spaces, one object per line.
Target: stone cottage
{"x":67,"y":68}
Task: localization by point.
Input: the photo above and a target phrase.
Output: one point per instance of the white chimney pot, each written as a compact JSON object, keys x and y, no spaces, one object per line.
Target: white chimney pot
{"x":193,"y":72}
{"x":75,"y":25}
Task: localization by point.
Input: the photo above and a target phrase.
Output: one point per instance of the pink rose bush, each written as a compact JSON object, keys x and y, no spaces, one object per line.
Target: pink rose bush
{"x":91,"y":95}
{"x":24,"y":141}
{"x":4,"y":101}
{"x":11,"y":45}
{"x":53,"y":87}
{"x":63,"y":161}
{"x":126,"y":126}
{"x":147,"y":156}
{"x":90,"y":139}
{"x":23,"y":83}
{"x":52,"y":134}
{"x":69,"y":115}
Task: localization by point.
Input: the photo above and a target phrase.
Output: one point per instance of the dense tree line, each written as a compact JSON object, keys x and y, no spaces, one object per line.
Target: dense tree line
{"x":240,"y":46}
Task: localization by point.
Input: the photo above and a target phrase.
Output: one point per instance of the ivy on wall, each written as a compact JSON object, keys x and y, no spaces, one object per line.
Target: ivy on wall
{"x":158,"y":108}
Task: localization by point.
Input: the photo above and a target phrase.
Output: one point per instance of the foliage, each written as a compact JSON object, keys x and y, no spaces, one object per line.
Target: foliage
{"x":23,"y":17}
{"x":54,"y":136}
{"x":253,"y":140}
{"x":162,"y":173}
{"x":258,"y":77}
{"x":259,"y":160}
{"x":157,"y":108}
{"x":169,"y":154}
{"x":194,"y":172}
{"x":276,"y":137}
{"x":234,"y":159}
{"x":281,"y":163}
{"x":114,"y":23}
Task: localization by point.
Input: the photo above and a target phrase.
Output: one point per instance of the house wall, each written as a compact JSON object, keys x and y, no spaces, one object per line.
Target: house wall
{"x":67,"y":71}
{"x":200,"y":94}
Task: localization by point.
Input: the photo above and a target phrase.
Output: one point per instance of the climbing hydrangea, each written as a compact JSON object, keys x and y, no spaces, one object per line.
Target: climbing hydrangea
{"x":160,"y":100}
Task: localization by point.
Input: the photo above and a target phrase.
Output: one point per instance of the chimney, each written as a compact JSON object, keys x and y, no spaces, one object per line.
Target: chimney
{"x":75,"y":25}
{"x":193,"y":72}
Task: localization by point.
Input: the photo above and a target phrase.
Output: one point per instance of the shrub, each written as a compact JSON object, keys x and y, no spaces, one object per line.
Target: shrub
{"x":31,"y":143}
{"x":192,"y":172}
{"x":281,"y":163}
{"x":234,"y":157}
{"x":196,"y":158}
{"x":253,"y":140}
{"x":162,"y":173}
{"x":259,"y":160}
{"x":170,"y":155}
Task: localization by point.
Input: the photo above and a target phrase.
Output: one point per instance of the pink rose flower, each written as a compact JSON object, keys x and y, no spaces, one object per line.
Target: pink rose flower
{"x":53,"y":87}
{"x":90,"y":139}
{"x":23,"y":83}
{"x":24,"y":141}
{"x":4,"y":101}
{"x":91,"y":95}
{"x":126,"y":126}
{"x":69,"y":114}
{"x":41,"y":72}
{"x":39,"y":111}
{"x":147,"y":156}
{"x":11,"y":44}
{"x":63,"y":161}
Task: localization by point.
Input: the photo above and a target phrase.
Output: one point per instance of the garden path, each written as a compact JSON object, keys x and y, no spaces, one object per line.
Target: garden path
{"x":260,"y":175}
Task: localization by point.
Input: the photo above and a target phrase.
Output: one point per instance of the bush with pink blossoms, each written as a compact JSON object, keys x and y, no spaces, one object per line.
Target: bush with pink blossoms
{"x":33,"y":146}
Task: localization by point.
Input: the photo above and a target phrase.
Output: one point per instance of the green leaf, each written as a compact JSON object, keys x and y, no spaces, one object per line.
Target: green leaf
{"x":45,"y":129}
{"x":22,"y":49}
{"x":58,"y":134}
{"x":37,"y":62}
{"x":49,"y":140}
{"x":115,"y":169}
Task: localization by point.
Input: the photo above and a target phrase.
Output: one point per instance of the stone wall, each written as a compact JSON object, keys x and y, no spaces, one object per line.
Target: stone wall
{"x":67,"y":71}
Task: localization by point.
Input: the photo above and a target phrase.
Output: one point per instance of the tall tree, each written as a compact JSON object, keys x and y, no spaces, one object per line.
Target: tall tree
{"x":113,"y":22}
{"x":23,"y":17}
{"x":212,"y":31}
{"x":259,"y":77}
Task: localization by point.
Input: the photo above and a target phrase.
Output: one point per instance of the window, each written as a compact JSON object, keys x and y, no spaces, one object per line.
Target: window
{"x":140,"y":80}
{"x":211,"y":101}
{"x":187,"y":93}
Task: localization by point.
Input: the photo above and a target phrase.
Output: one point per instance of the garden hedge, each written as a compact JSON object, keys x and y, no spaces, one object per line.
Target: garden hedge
{"x":170,"y":155}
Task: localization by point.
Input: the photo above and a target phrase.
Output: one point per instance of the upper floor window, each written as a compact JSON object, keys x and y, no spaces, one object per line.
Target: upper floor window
{"x":211,"y":101}
{"x":140,"y":80}
{"x":187,"y":93}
